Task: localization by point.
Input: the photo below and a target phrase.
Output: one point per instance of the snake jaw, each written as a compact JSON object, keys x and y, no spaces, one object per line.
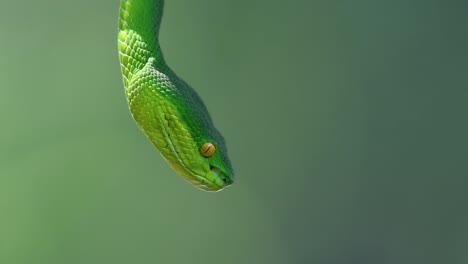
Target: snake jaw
{"x":205,"y":184}
{"x":210,"y":181}
{"x":214,"y":180}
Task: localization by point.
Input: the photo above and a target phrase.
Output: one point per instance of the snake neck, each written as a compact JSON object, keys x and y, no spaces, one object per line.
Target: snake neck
{"x":139,"y":24}
{"x":143,"y":16}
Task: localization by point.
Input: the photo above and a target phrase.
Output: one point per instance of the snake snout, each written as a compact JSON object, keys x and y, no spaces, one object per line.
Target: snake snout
{"x":222,"y":178}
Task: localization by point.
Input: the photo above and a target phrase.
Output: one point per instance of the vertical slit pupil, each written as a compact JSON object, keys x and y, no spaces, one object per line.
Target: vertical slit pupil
{"x":208,"y":149}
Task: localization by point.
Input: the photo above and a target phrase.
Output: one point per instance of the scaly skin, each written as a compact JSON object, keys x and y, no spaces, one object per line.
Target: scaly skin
{"x":167,"y":110}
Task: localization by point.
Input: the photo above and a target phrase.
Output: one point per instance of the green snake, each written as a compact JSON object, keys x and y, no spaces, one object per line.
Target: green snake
{"x":168,"y":111}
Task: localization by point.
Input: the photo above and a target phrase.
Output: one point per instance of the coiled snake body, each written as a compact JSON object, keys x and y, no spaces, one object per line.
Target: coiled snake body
{"x":166,"y":109}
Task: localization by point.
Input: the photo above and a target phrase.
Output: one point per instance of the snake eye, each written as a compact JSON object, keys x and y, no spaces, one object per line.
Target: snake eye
{"x":207,"y":149}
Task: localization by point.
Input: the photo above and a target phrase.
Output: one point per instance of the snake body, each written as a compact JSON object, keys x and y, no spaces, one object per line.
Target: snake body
{"x":168,"y":111}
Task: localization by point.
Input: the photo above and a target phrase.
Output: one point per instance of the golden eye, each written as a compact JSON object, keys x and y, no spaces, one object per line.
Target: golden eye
{"x":207,"y":149}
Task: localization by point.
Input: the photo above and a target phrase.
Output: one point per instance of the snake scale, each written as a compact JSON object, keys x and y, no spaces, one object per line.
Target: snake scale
{"x":168,"y":111}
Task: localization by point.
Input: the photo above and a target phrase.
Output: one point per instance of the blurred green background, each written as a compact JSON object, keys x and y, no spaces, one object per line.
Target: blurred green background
{"x":346,"y":123}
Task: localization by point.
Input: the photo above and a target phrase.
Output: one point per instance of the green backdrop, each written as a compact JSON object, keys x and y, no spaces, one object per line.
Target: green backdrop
{"x":346,"y":123}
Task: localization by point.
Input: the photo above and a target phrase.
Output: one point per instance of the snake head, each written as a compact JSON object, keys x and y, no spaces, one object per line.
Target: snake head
{"x":197,"y":153}
{"x":206,"y":173}
{"x":209,"y":169}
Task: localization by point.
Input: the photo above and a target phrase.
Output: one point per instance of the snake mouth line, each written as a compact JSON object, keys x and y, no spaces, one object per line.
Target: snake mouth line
{"x":202,"y":184}
{"x":206,"y":184}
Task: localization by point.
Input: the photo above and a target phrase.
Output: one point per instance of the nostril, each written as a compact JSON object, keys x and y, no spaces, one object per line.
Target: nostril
{"x":220,"y":176}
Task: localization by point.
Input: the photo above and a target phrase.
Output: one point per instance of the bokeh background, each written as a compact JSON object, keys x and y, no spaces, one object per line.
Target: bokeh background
{"x":346,"y":123}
